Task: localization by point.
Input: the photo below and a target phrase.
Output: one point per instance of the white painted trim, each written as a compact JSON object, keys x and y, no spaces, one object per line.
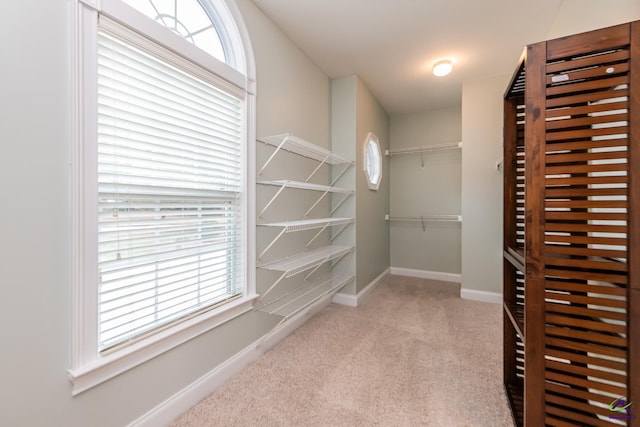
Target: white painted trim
{"x":425,"y":274}
{"x":186,"y":398}
{"x":356,"y":300}
{"x":484,"y":296}
{"x":106,"y":367}
{"x":189,"y":396}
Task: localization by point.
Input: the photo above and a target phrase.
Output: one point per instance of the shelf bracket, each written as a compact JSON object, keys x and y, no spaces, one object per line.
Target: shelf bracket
{"x":316,"y":236}
{"x":344,"y":199}
{"x":264,"y":251}
{"x":342,"y":172}
{"x":272,"y":286}
{"x":275,"y":152}
{"x":318,"y":167}
{"x":275,"y":196}
{"x":333,"y":264}
{"x":315,"y":204}
{"x":339,"y":231}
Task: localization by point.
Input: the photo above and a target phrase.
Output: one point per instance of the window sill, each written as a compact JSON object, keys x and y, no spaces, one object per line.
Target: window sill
{"x":106,"y":367}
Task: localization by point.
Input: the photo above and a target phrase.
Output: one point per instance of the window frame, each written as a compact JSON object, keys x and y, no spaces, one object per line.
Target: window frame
{"x":88,"y":367}
{"x":372,"y":140}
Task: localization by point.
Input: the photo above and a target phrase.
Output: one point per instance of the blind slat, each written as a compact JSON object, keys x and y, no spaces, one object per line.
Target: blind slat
{"x":170,"y":177}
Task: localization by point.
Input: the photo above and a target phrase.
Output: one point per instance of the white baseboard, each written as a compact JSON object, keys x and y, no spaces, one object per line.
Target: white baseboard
{"x":484,"y":296}
{"x":176,"y":405}
{"x":355,"y":300}
{"x":424,"y":274}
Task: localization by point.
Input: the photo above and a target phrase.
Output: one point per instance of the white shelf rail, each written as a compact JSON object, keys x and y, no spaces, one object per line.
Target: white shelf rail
{"x":303,"y":225}
{"x":299,"y":146}
{"x":325,"y":189}
{"x":423,"y":149}
{"x":295,"y":301}
{"x":310,"y":260}
{"x":425,"y":218}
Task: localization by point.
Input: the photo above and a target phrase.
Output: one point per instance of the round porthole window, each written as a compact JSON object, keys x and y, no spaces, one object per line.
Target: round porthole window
{"x":372,"y":161}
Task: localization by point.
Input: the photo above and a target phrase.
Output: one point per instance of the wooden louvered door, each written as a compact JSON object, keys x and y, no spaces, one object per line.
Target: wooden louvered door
{"x":581,"y":316}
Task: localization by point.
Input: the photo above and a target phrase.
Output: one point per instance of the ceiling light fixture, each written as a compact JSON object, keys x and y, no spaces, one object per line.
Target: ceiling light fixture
{"x":442,"y":68}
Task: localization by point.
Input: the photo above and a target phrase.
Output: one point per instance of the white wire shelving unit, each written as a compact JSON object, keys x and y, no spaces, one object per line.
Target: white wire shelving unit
{"x":299,"y":146}
{"x":324,"y":189}
{"x":303,"y":298}
{"x":308,"y":260}
{"x":320,"y":224}
{"x":302,"y":262}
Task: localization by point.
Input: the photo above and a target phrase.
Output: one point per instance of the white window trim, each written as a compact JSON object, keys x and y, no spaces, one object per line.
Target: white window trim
{"x":371,"y":137}
{"x":88,"y":367}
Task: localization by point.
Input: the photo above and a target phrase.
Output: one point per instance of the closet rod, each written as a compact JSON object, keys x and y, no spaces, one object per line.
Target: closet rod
{"x":423,"y":149}
{"x":424,"y":218}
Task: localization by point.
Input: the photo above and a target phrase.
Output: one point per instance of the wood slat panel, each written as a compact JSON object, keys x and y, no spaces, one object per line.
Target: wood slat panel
{"x":572,"y":192}
{"x":605,"y":252}
{"x":586,"y":98}
{"x":589,"y":85}
{"x":588,"y":204}
{"x":634,"y":229}
{"x":587,"y":228}
{"x":586,"y":264}
{"x":554,"y":422}
{"x":587,"y":121}
{"x":586,"y":312}
{"x":587,"y":133}
{"x":580,"y":299}
{"x":588,"y":240}
{"x":593,"y":374}
{"x":579,"y":169}
{"x":588,"y":61}
{"x":585,"y":360}
{"x":588,"y":43}
{"x":586,"y":347}
{"x":616,"y":143}
{"x":578,"y":418}
{"x":589,"y":337}
{"x":599,"y":70}
{"x":582,"y":323}
{"x":573,"y":157}
{"x":585,"y":287}
{"x":575,"y":111}
{"x":578,"y":405}
{"x":586,"y":180}
{"x":580,"y":382}
{"x":534,"y":232}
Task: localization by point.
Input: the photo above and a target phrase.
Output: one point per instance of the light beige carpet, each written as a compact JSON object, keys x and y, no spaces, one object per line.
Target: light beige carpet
{"x":413,"y":354}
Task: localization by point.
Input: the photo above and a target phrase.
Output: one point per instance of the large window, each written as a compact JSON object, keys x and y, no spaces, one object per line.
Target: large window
{"x":162,"y":180}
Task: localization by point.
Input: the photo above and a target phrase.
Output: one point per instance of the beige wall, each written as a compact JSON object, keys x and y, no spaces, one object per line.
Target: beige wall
{"x":372,"y":231}
{"x":355,"y":113}
{"x":432,"y":189}
{"x":577,"y":16}
{"x":35,"y":290}
{"x":482,"y":184}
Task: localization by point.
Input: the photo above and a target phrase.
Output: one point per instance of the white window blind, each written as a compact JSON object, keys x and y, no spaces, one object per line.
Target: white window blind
{"x":170,"y":176}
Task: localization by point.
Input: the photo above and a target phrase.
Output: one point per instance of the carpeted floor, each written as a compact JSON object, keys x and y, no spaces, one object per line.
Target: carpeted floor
{"x":413,"y":354}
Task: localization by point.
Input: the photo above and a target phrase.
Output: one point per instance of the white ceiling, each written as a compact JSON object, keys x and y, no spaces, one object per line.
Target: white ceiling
{"x":392,"y":44}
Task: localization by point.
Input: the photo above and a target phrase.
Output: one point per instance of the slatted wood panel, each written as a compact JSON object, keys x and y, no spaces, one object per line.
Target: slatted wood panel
{"x":514,"y":236}
{"x":586,"y":209}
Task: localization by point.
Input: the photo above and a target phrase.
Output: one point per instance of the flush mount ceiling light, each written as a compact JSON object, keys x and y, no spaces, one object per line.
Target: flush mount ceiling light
{"x":442,"y":68}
